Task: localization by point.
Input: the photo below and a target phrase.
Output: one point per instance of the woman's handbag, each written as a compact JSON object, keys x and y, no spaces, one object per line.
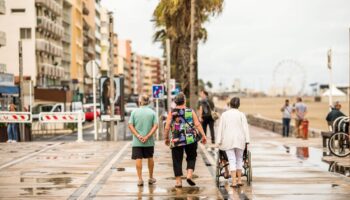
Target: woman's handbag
{"x":215,"y":115}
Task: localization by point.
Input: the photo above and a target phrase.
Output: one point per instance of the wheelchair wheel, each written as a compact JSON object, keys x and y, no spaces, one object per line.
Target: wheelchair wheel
{"x":249,"y":169}
{"x":339,"y":144}
{"x":218,"y":171}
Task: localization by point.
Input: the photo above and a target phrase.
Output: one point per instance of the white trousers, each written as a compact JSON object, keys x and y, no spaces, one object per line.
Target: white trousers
{"x":235,"y":158}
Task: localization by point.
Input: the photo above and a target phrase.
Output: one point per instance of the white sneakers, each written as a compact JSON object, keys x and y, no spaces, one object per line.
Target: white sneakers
{"x":11,"y":141}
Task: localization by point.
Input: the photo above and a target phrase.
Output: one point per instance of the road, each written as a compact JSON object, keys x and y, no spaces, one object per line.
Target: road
{"x":283,"y":168}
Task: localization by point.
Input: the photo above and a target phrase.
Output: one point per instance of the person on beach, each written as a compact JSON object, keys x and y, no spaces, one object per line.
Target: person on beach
{"x":300,"y":110}
{"x":287,"y":115}
{"x":233,"y":136}
{"x":181,"y":134}
{"x":143,"y":123}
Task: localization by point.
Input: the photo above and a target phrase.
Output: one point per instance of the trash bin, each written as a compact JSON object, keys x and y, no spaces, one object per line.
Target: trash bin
{"x":305,"y":129}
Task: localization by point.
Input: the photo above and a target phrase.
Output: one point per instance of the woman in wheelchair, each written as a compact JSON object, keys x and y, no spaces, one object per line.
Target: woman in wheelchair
{"x":232,"y":138}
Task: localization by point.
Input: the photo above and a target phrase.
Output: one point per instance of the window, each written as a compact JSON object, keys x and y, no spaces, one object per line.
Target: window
{"x":25,"y":33}
{"x":18,"y":10}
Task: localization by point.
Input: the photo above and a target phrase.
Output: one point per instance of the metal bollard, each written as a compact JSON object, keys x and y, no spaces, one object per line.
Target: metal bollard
{"x":80,"y":128}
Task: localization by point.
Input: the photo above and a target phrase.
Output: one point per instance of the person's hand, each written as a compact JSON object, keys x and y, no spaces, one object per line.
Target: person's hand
{"x":167,"y":142}
{"x":140,"y":137}
{"x":144,"y":139}
{"x":204,"y":139}
{"x":200,"y":119}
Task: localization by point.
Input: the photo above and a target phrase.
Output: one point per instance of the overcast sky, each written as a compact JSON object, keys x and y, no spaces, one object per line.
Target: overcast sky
{"x":251,"y":37}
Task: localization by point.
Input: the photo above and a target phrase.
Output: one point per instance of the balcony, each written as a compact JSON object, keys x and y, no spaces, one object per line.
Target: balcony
{"x":2,"y":39}
{"x":2,"y":7}
{"x":89,"y":49}
{"x":66,"y":38}
{"x":53,"y":6}
{"x":43,"y":45}
{"x":85,"y":9}
{"x":46,"y":24}
{"x":66,"y":17}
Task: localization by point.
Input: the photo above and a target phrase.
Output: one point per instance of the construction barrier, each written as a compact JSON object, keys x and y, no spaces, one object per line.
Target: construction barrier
{"x":15,"y":117}
{"x":65,"y":117}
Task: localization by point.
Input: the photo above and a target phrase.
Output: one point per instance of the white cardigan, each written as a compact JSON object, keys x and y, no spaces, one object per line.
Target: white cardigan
{"x":233,"y":130}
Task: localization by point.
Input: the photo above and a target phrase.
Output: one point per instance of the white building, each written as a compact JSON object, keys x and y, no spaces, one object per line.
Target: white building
{"x":38,"y":24}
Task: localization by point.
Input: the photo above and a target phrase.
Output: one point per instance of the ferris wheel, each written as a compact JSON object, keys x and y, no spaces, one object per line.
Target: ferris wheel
{"x":289,"y":78}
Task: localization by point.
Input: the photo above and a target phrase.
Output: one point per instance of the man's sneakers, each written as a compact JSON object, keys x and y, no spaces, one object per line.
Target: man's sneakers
{"x":152,"y":181}
{"x":9,"y":141}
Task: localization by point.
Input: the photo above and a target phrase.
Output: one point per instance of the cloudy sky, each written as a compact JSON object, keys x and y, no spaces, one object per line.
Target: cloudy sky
{"x":250,"y":38}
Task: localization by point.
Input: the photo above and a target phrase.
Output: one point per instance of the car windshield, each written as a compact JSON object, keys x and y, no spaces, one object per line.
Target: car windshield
{"x":131,"y":105}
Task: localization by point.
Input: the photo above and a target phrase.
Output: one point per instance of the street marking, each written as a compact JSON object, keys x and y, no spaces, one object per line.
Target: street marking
{"x":97,"y":179}
{"x":27,"y":156}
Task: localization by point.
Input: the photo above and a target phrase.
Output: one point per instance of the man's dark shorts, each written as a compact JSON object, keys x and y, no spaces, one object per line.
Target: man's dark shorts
{"x":142,"y":152}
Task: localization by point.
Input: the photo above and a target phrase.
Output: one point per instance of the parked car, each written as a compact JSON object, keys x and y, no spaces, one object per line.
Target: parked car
{"x":129,"y":107}
{"x":89,"y":111}
{"x":58,"y":107}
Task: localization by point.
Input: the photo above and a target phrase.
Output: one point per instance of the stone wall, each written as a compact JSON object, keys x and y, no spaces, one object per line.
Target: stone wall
{"x":276,"y":126}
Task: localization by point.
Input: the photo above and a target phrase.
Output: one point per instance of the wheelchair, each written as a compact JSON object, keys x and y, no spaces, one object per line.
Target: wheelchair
{"x":247,"y":167}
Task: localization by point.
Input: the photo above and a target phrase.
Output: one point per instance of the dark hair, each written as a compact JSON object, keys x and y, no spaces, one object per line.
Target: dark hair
{"x":235,"y":102}
{"x":180,"y":99}
{"x":287,"y":100}
{"x":299,"y":99}
{"x":205,"y":92}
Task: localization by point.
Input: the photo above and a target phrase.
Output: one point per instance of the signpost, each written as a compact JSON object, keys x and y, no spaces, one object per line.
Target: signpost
{"x":157,"y":93}
{"x":92,"y":69}
{"x":65,"y":117}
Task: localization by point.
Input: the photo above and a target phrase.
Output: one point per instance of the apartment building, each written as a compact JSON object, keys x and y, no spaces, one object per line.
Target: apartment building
{"x":77,"y":69}
{"x":88,"y":41}
{"x":115,"y":54}
{"x":125,"y":64}
{"x":39,"y":27}
{"x":2,"y":34}
{"x":104,"y":41}
{"x":66,"y":41}
{"x":136,"y":75}
{"x":98,"y":32}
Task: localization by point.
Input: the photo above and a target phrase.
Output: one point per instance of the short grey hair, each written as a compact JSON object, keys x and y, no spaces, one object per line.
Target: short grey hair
{"x":144,"y":99}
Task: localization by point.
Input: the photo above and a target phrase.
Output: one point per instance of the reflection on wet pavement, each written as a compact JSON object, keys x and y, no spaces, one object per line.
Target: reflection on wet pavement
{"x":283,"y":168}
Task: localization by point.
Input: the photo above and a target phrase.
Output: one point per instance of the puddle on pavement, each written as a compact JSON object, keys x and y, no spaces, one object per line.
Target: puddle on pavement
{"x":313,"y":156}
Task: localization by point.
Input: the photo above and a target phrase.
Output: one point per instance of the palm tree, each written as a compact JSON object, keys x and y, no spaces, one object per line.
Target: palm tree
{"x":173,"y":20}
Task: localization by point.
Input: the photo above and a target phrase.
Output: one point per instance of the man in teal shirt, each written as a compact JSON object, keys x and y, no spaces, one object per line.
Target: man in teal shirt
{"x":143,"y":123}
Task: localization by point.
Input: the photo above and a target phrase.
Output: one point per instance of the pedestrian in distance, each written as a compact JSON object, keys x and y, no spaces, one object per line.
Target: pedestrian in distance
{"x":286,"y":117}
{"x":300,"y":110}
{"x":181,"y":134}
{"x":205,"y":109}
{"x":334,"y":113}
{"x":233,"y":137}
{"x":12,"y":128}
{"x":143,"y":123}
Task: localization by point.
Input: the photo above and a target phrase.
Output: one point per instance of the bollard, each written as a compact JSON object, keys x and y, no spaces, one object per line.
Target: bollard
{"x":80,"y":128}
{"x":305,"y":129}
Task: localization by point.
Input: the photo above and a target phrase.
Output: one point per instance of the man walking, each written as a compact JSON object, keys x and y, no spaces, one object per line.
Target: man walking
{"x":300,"y":111}
{"x":287,"y":114}
{"x":204,"y":111}
{"x":143,"y":123}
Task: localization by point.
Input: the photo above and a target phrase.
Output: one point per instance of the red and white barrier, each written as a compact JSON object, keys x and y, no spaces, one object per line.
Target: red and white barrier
{"x":15,"y":117}
{"x":65,"y":117}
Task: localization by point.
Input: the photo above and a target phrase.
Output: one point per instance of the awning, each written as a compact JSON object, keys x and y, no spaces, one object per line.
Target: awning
{"x":9,"y":90}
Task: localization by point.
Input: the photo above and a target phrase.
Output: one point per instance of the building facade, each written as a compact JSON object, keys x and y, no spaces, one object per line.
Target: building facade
{"x":77,"y":62}
{"x":39,"y":27}
{"x":66,"y":41}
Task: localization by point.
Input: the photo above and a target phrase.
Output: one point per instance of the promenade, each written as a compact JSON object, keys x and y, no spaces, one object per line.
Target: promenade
{"x":282,"y":169}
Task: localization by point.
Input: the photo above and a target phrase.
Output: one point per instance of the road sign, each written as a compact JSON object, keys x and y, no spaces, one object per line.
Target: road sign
{"x":64,"y":117}
{"x":15,"y":117}
{"x":157,"y":91}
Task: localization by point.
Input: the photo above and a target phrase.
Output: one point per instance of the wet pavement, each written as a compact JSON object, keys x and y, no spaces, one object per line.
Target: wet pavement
{"x":283,"y":168}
